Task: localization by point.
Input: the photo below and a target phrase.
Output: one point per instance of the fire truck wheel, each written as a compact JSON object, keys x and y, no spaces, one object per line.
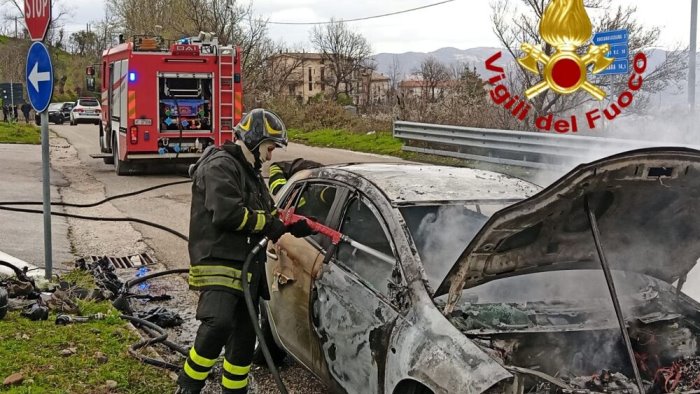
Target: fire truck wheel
{"x":121,"y":167}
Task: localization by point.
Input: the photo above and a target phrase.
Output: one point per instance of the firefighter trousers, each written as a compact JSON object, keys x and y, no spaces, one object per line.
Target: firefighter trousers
{"x":224,"y":323}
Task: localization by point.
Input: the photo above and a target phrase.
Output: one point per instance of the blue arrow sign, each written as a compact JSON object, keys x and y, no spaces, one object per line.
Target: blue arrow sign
{"x":39,"y":72}
{"x":619,"y":49}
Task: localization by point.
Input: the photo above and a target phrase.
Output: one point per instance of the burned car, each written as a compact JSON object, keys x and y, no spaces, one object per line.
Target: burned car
{"x":467,"y":281}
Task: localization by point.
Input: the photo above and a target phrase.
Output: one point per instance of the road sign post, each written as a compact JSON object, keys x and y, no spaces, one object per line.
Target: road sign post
{"x":619,"y":49}
{"x":39,"y":75}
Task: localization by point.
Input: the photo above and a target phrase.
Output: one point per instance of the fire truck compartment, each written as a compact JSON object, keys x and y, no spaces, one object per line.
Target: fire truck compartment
{"x":185,"y":102}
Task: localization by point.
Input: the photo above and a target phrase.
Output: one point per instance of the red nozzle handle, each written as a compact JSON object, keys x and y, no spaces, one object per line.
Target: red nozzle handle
{"x":288,"y":217}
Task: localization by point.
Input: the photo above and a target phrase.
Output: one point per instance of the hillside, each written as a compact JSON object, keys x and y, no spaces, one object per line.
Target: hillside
{"x":69,"y":70}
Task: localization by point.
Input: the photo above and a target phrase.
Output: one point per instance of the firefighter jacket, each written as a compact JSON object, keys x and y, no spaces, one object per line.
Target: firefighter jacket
{"x":230,"y":210}
{"x":280,"y":172}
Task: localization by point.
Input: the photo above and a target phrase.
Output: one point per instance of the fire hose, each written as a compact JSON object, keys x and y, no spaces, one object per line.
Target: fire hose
{"x":288,"y":217}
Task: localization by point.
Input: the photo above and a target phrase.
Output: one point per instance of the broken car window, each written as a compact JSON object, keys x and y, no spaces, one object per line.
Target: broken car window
{"x":362,"y":225}
{"x":315,"y":203}
{"x":442,"y":232}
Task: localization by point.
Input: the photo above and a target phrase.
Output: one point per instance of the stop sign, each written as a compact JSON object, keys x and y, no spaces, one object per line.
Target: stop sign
{"x":37,"y":15}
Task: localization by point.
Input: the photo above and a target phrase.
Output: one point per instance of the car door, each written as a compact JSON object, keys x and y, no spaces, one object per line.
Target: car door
{"x":292,"y":262}
{"x":352,"y":314}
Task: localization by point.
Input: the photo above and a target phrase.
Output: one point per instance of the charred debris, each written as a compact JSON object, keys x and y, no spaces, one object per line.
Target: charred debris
{"x":36,"y":300}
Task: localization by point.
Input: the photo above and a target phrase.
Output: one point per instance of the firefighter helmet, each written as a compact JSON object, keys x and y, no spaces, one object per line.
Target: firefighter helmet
{"x":261,"y":125}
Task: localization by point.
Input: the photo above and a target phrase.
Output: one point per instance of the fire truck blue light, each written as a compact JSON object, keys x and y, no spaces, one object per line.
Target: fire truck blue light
{"x":132,"y":77}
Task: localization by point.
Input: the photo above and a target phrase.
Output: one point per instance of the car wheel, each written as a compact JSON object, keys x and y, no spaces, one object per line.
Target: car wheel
{"x":278,"y":354}
{"x":60,"y":121}
{"x":120,"y":167}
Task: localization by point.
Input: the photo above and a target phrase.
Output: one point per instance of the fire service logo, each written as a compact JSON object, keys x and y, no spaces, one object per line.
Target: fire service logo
{"x":565,"y":26}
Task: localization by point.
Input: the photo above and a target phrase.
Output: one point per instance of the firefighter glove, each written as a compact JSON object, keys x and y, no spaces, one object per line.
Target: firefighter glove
{"x":300,"y":229}
{"x":274,"y":229}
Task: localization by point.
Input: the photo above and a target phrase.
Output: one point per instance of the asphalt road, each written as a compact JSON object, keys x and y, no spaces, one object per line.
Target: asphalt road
{"x":21,"y":234}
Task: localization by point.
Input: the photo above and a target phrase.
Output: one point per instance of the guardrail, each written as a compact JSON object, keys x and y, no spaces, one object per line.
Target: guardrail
{"x":517,"y":148}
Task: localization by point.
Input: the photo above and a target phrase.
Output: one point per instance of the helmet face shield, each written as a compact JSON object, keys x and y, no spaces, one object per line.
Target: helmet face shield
{"x":261,"y":125}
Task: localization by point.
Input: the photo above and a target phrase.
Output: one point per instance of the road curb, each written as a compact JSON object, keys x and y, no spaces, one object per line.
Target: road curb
{"x":14,"y":261}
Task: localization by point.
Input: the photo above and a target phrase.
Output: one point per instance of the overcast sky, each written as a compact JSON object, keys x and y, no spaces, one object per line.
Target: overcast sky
{"x":461,"y":23}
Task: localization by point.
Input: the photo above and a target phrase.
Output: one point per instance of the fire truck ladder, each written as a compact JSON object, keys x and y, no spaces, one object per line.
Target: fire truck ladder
{"x":227,"y":57}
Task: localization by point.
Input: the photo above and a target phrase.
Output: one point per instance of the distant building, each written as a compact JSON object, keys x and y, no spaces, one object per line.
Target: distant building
{"x":373,"y":89}
{"x":306,"y":75}
{"x":421,"y":88}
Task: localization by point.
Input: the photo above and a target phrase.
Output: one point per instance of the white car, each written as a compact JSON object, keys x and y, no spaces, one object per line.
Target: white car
{"x":86,"y":110}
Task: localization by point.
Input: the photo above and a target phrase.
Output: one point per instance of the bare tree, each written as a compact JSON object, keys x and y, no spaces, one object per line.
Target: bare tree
{"x":142,"y":16}
{"x":282,"y":69}
{"x":395,"y":74}
{"x":59,"y":13}
{"x":518,"y":23}
{"x":346,"y":52}
{"x":434,"y":75}
{"x":84,"y":43}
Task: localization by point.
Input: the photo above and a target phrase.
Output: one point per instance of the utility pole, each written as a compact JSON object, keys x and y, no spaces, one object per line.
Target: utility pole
{"x":16,"y":36}
{"x":692,"y":54}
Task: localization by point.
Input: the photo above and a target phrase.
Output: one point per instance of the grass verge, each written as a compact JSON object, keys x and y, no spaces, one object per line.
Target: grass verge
{"x":380,"y":142}
{"x":34,"y":350}
{"x":19,"y":133}
{"x":383,"y":142}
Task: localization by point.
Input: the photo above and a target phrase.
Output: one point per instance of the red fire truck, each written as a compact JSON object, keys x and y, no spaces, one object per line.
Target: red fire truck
{"x":166,"y":101}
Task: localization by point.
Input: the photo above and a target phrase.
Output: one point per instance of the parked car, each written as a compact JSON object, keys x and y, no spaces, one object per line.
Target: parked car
{"x":86,"y":110}
{"x":66,"y":110}
{"x":56,"y":114}
{"x":478,"y":282}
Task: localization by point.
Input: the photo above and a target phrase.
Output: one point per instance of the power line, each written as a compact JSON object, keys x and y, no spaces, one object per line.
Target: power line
{"x":364,"y":18}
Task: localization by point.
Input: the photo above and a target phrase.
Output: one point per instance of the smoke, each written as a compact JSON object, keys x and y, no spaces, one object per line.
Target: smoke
{"x":671,"y":126}
{"x":441,"y":234}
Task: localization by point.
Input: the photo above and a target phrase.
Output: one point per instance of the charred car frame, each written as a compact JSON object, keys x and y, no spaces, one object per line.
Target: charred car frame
{"x":485,"y":283}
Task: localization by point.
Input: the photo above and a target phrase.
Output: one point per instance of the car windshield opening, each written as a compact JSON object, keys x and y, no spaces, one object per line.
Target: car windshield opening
{"x":54,"y":107}
{"x":441,"y":232}
{"x":89,"y":103}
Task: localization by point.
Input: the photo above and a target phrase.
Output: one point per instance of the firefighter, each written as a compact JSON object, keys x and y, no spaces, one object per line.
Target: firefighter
{"x":231,"y":211}
{"x":280,"y":172}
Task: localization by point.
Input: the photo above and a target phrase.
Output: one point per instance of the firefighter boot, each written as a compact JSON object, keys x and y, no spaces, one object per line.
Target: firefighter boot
{"x":184,"y":390}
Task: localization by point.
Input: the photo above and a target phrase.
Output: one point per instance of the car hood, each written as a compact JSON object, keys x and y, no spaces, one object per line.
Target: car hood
{"x":648,"y":207}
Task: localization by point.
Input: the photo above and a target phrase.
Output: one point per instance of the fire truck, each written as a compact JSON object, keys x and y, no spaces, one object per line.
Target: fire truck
{"x":167,"y":101}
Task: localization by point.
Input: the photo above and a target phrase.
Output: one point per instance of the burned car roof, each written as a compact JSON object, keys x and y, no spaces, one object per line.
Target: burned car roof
{"x":414,"y":183}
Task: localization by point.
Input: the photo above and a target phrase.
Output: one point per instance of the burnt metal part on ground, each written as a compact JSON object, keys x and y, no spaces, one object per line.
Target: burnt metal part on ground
{"x":121,"y":302}
{"x":142,"y":259}
{"x":103,"y":270}
{"x":63,"y":320}
{"x":162,"y":317}
{"x":36,"y":311}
